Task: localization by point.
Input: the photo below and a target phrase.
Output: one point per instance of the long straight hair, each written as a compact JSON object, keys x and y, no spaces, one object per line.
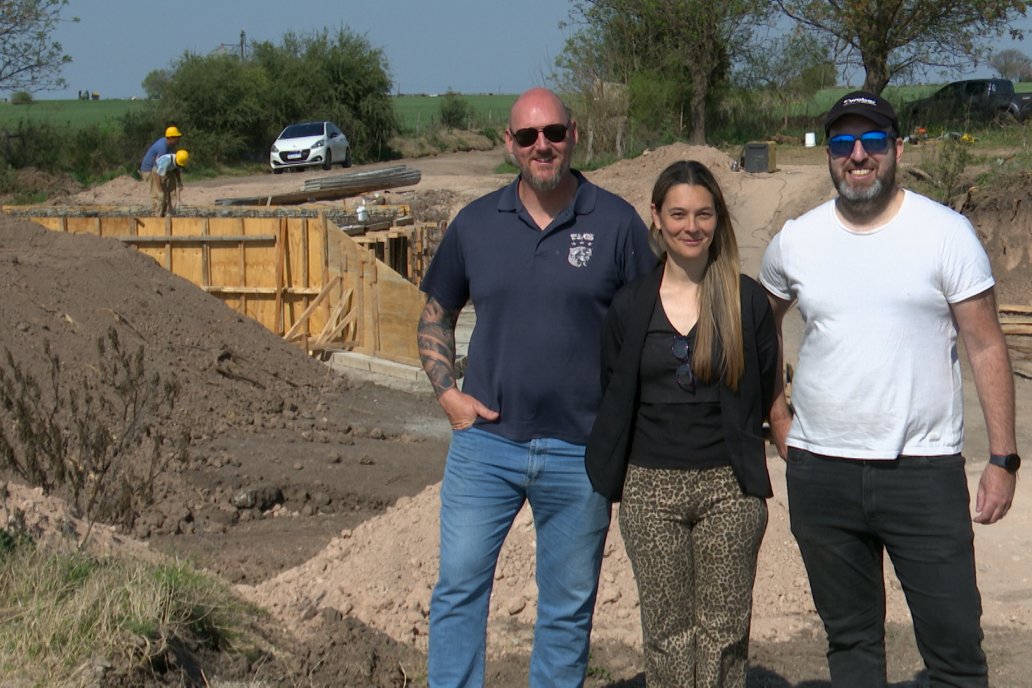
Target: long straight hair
{"x":719,"y":328}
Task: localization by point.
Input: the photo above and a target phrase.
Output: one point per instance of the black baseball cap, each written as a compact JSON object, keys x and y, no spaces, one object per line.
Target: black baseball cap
{"x":865,"y":104}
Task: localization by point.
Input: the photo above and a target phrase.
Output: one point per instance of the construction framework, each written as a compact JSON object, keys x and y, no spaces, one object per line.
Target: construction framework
{"x":300,"y":275}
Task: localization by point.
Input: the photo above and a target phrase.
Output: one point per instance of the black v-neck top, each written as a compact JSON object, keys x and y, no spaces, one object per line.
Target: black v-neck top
{"x":675,"y":428}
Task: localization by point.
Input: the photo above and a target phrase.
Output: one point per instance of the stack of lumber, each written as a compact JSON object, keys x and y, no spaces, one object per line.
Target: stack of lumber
{"x":336,"y":186}
{"x":354,"y":183}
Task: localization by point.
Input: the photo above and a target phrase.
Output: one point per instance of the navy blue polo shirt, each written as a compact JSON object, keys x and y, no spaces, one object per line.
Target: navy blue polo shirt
{"x":540,"y":299}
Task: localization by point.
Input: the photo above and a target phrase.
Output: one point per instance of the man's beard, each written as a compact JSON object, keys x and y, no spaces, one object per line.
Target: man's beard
{"x":546,"y":184}
{"x":869,"y":200}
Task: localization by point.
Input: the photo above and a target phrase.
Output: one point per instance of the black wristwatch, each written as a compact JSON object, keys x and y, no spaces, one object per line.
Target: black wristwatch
{"x":1011,"y":462}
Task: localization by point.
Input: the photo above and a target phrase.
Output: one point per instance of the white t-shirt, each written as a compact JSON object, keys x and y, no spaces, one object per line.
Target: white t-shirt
{"x":878,"y":373}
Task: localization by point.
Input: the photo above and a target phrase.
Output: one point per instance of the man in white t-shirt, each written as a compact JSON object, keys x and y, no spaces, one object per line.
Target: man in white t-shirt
{"x":885,"y":279}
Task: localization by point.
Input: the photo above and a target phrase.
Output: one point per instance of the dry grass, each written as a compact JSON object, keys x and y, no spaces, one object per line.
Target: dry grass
{"x":67,"y":617}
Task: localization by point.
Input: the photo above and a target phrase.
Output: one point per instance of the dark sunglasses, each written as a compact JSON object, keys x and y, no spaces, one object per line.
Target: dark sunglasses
{"x":874,"y":142}
{"x":682,"y":352}
{"x":556,"y":133}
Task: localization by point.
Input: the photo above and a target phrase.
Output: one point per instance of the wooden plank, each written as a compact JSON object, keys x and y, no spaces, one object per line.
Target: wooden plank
{"x":1012,"y":308}
{"x":1019,"y":329}
{"x":335,"y":316}
{"x":206,"y":255}
{"x":261,"y":291}
{"x":188,"y":258}
{"x":303,"y":318}
{"x":336,"y":326}
{"x":243,"y":268}
{"x":281,"y":256}
{"x":168,"y":245}
{"x":199,"y":239}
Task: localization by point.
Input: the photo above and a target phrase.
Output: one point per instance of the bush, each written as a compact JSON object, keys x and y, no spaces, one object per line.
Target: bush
{"x":21,"y":98}
{"x":456,"y":112}
{"x":947,"y":168}
{"x":102,"y":442}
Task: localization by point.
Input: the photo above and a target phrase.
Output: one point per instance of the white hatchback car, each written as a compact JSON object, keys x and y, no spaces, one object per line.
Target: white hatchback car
{"x":308,"y":144}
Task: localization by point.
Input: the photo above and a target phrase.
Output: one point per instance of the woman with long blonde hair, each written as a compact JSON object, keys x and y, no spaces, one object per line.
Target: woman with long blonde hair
{"x":689,"y":360}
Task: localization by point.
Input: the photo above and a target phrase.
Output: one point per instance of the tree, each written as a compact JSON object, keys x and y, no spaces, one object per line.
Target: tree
{"x":1011,"y":64}
{"x":789,"y":68}
{"x":337,"y":76}
{"x":456,"y":112}
{"x":29,"y":60}
{"x":689,"y":39}
{"x":221,"y":104}
{"x":889,"y":38}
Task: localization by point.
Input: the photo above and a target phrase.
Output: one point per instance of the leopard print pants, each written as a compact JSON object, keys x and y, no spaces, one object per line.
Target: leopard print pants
{"x":693,"y":537}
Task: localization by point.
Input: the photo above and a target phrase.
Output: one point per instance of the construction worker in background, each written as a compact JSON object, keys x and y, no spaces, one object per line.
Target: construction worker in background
{"x":166,"y":144}
{"x":166,"y":178}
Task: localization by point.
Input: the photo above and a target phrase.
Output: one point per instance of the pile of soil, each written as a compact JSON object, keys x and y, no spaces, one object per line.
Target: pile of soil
{"x":317,"y":495}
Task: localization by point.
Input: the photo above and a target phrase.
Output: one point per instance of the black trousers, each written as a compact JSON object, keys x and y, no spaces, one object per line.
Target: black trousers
{"x":845,"y":515}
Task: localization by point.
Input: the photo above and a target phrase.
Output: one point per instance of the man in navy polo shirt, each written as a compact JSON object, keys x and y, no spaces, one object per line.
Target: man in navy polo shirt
{"x":540,"y":261}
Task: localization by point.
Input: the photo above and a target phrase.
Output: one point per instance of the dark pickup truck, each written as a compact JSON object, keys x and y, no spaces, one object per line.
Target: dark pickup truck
{"x":971,"y":101}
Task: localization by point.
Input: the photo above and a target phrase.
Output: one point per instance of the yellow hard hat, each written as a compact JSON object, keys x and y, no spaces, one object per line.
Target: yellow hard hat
{"x":182,"y":156}
{"x":172,"y":132}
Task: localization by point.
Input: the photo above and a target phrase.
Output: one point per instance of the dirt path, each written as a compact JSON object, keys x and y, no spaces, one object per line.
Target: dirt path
{"x":345,"y":556}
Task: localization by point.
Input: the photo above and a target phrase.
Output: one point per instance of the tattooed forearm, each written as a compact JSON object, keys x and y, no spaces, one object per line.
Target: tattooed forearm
{"x":436,"y":337}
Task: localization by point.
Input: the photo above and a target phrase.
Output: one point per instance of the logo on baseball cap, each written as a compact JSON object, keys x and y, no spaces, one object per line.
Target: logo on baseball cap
{"x":866,"y":105}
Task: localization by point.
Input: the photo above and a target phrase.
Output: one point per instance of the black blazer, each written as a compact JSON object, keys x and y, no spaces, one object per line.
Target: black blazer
{"x":743,"y":411}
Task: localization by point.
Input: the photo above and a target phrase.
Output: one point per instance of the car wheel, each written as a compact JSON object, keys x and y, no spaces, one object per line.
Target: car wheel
{"x":347,"y":159}
{"x":328,"y":162}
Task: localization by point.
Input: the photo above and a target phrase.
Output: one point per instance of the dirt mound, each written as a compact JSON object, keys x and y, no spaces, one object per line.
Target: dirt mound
{"x":366,"y":574}
{"x":1003,"y":218}
{"x":26,"y":182}
{"x":68,"y":290}
{"x":123,"y":187}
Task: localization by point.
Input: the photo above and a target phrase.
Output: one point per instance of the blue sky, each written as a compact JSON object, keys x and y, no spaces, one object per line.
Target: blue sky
{"x":470,"y":46}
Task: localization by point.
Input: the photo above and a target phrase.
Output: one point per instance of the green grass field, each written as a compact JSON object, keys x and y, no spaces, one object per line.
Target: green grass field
{"x":74,"y":113}
{"x":416,"y":113}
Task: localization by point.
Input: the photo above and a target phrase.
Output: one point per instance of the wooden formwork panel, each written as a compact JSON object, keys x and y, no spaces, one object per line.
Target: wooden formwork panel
{"x":300,"y":277}
{"x":400,"y":305}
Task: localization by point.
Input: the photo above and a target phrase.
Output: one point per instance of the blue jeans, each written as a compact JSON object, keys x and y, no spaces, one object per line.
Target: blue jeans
{"x":845,"y":513}
{"x":487,"y":478}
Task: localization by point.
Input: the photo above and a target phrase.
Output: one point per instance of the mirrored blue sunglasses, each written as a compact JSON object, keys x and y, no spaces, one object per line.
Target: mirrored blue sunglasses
{"x":874,"y":142}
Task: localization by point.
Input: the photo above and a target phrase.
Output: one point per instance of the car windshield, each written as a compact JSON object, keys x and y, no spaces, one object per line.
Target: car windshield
{"x":297,"y":131}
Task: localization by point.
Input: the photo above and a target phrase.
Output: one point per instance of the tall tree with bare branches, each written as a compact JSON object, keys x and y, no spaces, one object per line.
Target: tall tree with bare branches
{"x":889,"y":38}
{"x":29,"y":59}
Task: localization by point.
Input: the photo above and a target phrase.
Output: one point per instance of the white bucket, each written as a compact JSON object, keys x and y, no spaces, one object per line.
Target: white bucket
{"x":810,"y":140}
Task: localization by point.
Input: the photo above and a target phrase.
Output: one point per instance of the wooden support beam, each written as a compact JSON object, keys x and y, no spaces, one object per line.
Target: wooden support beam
{"x":312,"y":307}
{"x":335,"y":317}
{"x":206,"y":254}
{"x":243,"y":266}
{"x":258,"y":291}
{"x":168,"y":243}
{"x":199,"y":239}
{"x":281,"y":253}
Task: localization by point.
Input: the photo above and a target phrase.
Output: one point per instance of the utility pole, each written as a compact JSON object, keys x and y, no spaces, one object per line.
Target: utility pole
{"x":243,"y":42}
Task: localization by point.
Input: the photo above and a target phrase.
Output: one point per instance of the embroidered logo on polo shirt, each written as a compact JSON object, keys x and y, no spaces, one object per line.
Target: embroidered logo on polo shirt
{"x":580,"y":249}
